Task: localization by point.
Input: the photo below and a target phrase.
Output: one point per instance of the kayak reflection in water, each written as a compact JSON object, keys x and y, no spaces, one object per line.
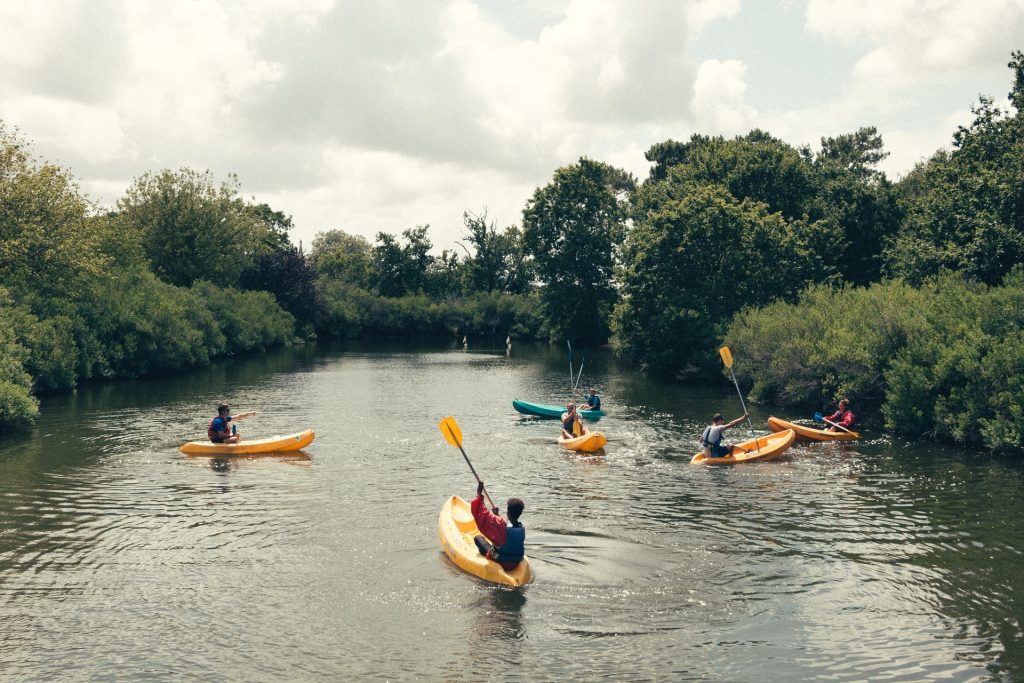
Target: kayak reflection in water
{"x":711,"y":439}
{"x":572,"y":425}
{"x":505,"y":542}
{"x":218,"y":430}
{"x":842,"y":417}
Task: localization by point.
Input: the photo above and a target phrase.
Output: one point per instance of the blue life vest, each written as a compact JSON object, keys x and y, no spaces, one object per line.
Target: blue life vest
{"x":594,"y":402}
{"x":515,"y":545}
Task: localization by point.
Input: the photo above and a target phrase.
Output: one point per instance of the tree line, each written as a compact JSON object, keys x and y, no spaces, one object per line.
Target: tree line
{"x":744,"y":240}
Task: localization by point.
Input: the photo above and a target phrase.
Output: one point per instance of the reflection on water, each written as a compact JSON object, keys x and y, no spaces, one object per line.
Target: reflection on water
{"x":122,"y":558}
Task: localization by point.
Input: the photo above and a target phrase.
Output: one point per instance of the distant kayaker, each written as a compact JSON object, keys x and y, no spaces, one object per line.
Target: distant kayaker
{"x":843,"y":417}
{"x":219,"y":431}
{"x":593,"y":400}
{"x":711,"y":439}
{"x":505,"y":542}
{"x":572,"y":425}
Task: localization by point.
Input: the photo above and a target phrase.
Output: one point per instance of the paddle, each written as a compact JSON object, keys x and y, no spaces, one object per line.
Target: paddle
{"x":818,"y":417}
{"x":570,"y":369}
{"x":726,"y":355}
{"x":453,"y":435}
{"x":576,"y":386}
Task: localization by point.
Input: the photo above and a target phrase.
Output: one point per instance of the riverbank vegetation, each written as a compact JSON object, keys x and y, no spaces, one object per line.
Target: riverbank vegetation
{"x":827,"y":277}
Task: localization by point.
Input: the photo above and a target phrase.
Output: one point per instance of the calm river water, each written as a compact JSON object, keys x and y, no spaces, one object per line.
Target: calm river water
{"x":121,"y":558}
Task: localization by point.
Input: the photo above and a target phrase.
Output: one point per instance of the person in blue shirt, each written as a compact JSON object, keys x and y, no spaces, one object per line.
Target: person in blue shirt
{"x":593,"y":400}
{"x":219,"y":431}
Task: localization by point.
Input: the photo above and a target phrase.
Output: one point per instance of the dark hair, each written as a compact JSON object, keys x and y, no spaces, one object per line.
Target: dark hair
{"x":717,"y":417}
{"x":514,"y":507}
{"x":223,"y":408}
{"x":845,"y":402}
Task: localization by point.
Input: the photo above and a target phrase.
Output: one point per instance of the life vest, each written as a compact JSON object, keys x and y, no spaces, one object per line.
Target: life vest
{"x":594,"y":402}
{"x":707,"y":433}
{"x":211,"y":433}
{"x":515,"y":545}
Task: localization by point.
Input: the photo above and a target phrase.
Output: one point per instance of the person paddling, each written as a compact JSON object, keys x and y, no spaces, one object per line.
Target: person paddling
{"x":711,"y":439}
{"x":843,"y":417}
{"x":503,"y":542}
{"x":593,"y":400}
{"x":218,"y":430}
{"x":572,"y":425}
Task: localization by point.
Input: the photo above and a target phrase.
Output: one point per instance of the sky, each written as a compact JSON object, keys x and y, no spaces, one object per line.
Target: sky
{"x":385,"y":115}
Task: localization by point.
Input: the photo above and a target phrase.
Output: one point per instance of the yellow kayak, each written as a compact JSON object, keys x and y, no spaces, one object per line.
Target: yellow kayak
{"x":766,"y":448}
{"x":457,"y":529}
{"x":272,"y":444}
{"x":588,"y":443}
{"x":809,"y":433}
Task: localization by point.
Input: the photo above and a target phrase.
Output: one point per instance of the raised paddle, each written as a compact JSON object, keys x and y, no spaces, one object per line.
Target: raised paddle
{"x":453,"y":435}
{"x":726,"y":355}
{"x":818,"y":417}
{"x":575,"y":386}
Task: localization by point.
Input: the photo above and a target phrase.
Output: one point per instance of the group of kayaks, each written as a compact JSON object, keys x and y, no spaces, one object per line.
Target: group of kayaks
{"x":456,"y":527}
{"x":784,"y":434}
{"x":586,"y":443}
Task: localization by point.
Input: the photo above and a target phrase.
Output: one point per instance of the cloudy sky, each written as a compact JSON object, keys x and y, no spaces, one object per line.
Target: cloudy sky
{"x":374,"y":115}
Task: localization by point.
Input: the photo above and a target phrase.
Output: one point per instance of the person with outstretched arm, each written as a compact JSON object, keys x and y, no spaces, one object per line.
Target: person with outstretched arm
{"x":711,"y":439}
{"x":503,"y":542}
{"x":593,"y":400}
{"x":219,"y":431}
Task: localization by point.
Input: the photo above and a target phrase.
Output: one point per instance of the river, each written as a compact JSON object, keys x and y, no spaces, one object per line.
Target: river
{"x":121,"y":558}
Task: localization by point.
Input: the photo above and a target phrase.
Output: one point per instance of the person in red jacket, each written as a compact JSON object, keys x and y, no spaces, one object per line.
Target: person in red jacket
{"x":505,"y":541}
{"x":843,"y":417}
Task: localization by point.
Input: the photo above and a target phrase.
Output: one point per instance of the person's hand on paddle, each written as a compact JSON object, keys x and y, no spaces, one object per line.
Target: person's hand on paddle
{"x":479,"y":488}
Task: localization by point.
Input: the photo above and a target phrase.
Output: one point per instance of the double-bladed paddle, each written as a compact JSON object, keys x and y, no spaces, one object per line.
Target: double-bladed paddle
{"x":818,"y":417}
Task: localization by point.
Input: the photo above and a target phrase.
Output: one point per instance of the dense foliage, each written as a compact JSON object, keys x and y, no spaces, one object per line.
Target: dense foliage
{"x":945,"y":360}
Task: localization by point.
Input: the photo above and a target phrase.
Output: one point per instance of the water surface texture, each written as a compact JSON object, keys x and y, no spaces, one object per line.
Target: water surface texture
{"x":121,"y":558}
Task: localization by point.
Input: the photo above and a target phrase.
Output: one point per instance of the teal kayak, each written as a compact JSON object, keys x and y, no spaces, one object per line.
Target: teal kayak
{"x":542,"y":410}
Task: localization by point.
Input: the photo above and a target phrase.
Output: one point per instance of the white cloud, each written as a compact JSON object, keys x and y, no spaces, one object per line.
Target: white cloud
{"x":719,"y":103}
{"x":911,"y":40}
{"x":379,"y":116}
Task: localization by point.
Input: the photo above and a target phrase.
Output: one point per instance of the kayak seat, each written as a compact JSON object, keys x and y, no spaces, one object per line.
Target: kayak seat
{"x":463,"y":519}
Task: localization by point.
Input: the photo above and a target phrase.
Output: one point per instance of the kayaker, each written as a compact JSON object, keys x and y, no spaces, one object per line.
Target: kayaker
{"x":711,"y":439}
{"x":593,"y":400}
{"x":843,"y":417}
{"x":572,"y":425}
{"x":505,"y":542}
{"x":219,"y":432}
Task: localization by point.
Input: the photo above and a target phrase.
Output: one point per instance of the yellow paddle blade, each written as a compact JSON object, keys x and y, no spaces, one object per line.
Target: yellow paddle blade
{"x":450,"y":429}
{"x":726,"y":356}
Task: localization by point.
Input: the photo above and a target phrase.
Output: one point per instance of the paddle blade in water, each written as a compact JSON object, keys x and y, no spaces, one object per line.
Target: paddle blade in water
{"x":450,"y":429}
{"x":726,"y":356}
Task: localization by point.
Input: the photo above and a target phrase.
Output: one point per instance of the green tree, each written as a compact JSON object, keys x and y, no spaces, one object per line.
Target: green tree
{"x":695,"y":256}
{"x":572,"y":227}
{"x":965,"y":210}
{"x":340,"y":256}
{"x":47,"y":247}
{"x":399,"y":269}
{"x":498,"y":260}
{"x":192,"y":229}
